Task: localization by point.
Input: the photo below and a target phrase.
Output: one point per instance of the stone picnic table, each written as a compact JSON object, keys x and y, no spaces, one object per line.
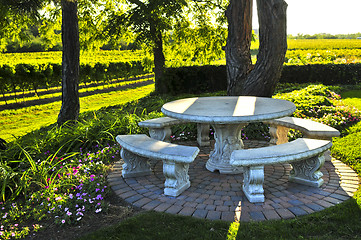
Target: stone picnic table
{"x":227,"y":115}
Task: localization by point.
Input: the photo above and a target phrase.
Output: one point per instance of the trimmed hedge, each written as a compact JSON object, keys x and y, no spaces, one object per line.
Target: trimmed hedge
{"x":194,"y":79}
{"x":197,"y":79}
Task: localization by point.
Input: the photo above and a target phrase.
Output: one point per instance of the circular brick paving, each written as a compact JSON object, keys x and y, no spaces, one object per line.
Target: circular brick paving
{"x":217,"y":196}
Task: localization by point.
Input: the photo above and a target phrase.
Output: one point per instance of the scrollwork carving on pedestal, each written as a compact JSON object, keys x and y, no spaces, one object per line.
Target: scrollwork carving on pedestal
{"x":308,"y":171}
{"x":177,"y":178}
{"x":253,"y":178}
{"x":134,"y":165}
{"x":227,"y":138}
{"x":162,"y":134}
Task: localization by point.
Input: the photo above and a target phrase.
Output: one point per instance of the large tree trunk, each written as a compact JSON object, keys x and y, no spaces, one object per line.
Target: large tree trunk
{"x":70,"y":63}
{"x":262,"y":80}
{"x":238,"y":55}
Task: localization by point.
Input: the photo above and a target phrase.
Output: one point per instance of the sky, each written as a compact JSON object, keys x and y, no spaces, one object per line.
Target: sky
{"x":321,"y":16}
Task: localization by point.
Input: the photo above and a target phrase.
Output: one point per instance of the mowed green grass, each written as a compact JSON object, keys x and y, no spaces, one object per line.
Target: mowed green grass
{"x":16,"y":123}
{"x":58,"y":93}
{"x":352,"y":98}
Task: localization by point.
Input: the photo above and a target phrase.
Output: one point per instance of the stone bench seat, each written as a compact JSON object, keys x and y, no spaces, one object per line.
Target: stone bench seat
{"x":137,"y":149}
{"x":305,"y":155}
{"x":160,"y":129}
{"x":279,"y":129}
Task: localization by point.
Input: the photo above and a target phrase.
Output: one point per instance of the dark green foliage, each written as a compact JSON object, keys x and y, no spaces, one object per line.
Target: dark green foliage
{"x":328,"y":74}
{"x":196,"y":79}
{"x":214,"y":78}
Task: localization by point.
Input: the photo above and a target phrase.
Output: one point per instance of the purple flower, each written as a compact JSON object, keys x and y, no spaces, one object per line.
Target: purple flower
{"x":92,"y":177}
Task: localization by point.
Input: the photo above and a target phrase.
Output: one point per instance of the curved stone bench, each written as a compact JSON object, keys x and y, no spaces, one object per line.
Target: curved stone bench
{"x":310,"y":129}
{"x":304,"y":154}
{"x":136,"y":149}
{"x":160,"y":129}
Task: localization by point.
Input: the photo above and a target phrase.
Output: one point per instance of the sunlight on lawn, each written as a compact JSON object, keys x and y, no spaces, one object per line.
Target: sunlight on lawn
{"x":233,"y":230}
{"x":25,"y":120}
{"x":352,"y":98}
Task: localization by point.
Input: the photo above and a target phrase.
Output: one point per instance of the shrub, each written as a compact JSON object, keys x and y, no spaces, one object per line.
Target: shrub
{"x":319,"y":103}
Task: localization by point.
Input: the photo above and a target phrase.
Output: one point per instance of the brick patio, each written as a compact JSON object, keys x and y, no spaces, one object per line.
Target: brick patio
{"x":219,"y":197}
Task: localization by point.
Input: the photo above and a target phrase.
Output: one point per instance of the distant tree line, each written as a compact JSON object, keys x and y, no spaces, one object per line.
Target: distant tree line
{"x":324,"y":36}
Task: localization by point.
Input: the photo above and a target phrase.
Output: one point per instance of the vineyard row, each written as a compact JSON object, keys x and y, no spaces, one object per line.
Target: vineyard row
{"x":27,"y":77}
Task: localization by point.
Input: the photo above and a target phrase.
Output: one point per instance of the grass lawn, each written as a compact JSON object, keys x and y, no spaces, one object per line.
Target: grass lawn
{"x":340,"y":222}
{"x":16,"y":123}
{"x":352,"y":98}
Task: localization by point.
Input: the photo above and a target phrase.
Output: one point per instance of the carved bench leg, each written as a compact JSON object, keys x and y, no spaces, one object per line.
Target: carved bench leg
{"x":253,"y":183}
{"x":162,"y":134}
{"x":134,"y":165}
{"x":307,"y":171}
{"x":203,"y":134}
{"x":176,"y":177}
{"x":278,"y":134}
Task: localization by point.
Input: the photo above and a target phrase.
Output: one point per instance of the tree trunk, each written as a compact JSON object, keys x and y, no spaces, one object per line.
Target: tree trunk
{"x":70,"y":62}
{"x":262,"y":80}
{"x":238,"y":55}
{"x":159,"y":61}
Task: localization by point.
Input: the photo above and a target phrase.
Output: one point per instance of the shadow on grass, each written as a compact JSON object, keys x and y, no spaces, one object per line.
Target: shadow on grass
{"x":43,"y":101}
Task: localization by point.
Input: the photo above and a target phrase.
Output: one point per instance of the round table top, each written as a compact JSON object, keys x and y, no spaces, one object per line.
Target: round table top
{"x":228,"y":109}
